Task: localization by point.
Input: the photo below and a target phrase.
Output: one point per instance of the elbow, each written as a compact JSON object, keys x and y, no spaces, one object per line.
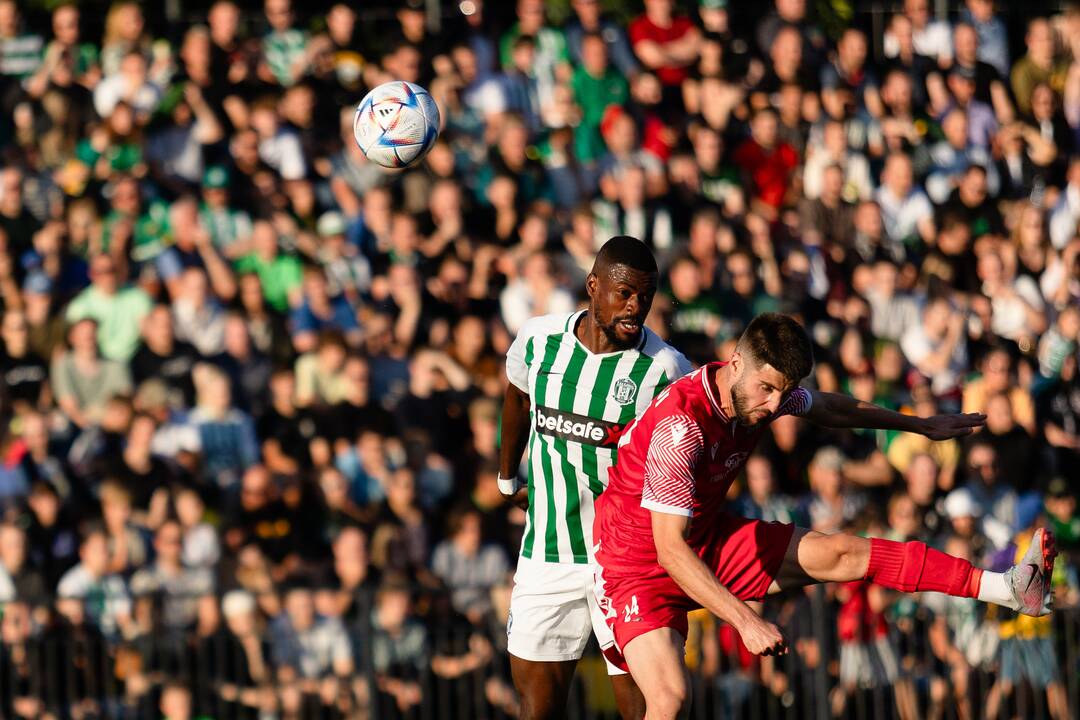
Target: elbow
{"x":666,"y":556}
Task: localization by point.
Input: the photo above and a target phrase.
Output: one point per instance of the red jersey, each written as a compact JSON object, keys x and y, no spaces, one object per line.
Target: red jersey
{"x":642,"y":28}
{"x":679,"y":457}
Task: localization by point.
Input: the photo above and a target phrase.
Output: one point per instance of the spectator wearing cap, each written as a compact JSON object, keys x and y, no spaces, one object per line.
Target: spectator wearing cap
{"x":1061,"y":514}
{"x":229,"y":227}
{"x":82,"y":380}
{"x":967,"y":520}
{"x":589,"y":20}
{"x":982,"y":123}
{"x":244,"y":642}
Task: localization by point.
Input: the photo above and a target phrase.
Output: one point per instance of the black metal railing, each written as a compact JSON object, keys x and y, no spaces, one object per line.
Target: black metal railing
{"x":51,"y":667}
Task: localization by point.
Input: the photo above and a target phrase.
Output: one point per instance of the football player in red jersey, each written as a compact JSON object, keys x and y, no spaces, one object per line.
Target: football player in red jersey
{"x":665,"y":545}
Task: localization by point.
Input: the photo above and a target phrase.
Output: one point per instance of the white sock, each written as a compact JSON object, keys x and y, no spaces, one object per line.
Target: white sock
{"x":994,"y":589}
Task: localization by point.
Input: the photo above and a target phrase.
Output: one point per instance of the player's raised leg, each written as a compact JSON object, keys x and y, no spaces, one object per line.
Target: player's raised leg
{"x":914,"y":567}
{"x":655,"y":659}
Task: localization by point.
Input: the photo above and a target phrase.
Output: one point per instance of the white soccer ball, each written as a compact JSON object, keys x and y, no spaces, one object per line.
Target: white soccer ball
{"x":396,"y":124}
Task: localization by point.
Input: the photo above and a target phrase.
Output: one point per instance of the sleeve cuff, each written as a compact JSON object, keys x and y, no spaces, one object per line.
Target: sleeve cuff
{"x":667,"y":509}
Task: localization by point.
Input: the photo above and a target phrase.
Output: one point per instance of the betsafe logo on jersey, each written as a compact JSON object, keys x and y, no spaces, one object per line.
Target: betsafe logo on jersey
{"x":578,"y":428}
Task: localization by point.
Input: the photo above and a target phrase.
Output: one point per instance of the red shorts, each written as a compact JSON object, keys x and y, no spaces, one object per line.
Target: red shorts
{"x":744,"y":554}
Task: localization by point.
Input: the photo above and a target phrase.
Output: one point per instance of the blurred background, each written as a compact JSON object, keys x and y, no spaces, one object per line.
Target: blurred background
{"x":252,"y":383}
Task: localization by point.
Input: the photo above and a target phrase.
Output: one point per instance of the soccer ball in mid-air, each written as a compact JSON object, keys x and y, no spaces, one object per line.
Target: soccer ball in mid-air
{"x":396,"y":124}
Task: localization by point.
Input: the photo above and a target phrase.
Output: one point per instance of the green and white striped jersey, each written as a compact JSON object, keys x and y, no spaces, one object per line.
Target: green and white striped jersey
{"x":581,"y":401}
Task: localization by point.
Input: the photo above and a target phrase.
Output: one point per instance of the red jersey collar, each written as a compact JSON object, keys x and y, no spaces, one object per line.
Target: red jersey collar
{"x":710,"y":389}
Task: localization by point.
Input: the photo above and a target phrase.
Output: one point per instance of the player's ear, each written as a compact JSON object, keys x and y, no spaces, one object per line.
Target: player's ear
{"x":590,"y":285}
{"x":736,"y":363}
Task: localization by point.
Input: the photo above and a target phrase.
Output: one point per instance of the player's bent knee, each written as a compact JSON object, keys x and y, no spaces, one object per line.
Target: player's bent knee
{"x":668,"y":700}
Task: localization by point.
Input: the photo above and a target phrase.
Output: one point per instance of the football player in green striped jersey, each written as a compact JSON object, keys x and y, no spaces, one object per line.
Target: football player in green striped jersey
{"x":576,"y":380}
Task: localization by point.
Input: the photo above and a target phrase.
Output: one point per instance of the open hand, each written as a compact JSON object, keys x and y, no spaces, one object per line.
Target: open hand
{"x":943,"y":427}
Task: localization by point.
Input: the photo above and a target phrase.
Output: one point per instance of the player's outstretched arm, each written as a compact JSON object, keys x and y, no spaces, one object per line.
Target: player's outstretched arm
{"x":514,"y":435}
{"x":698,"y":581}
{"x":843,"y":411}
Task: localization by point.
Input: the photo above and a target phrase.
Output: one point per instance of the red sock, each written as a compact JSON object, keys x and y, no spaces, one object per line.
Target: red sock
{"x":914,"y":567}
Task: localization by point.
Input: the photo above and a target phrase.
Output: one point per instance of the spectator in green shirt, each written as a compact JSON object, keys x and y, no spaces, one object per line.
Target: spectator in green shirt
{"x":552,"y":58}
{"x":285,"y":56}
{"x":145,"y":232}
{"x":596,"y":85}
{"x":280,"y":275}
{"x":116,"y":309}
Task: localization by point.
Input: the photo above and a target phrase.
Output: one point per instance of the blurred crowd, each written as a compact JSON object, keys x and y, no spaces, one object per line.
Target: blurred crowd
{"x":252,"y":383}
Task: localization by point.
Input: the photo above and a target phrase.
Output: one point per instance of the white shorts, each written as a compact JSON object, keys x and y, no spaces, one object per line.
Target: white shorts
{"x":552,"y":612}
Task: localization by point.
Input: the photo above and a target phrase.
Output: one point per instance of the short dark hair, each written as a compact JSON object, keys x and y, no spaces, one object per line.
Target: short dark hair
{"x":778,"y":340}
{"x":627,"y":251}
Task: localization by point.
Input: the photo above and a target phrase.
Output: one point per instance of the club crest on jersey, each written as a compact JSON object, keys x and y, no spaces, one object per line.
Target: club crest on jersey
{"x":624,"y":391}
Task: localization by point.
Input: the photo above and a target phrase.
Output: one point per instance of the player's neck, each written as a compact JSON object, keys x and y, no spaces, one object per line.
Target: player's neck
{"x":722,"y":382}
{"x":595,"y":339}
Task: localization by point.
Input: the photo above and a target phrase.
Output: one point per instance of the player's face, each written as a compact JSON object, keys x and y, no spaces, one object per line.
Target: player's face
{"x":757,"y":393}
{"x":620,"y":302}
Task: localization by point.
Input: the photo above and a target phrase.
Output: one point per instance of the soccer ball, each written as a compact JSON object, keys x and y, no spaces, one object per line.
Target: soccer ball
{"x":396,"y":124}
